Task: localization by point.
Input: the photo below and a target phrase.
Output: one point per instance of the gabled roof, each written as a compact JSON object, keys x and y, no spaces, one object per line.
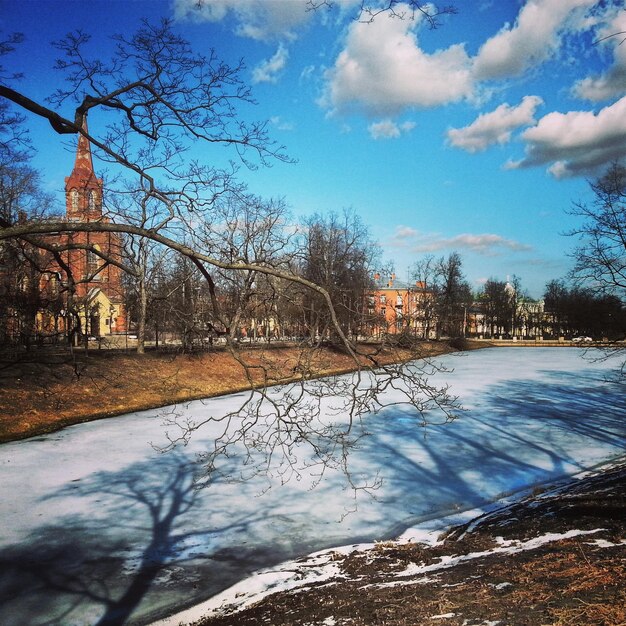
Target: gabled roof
{"x":382,"y":283}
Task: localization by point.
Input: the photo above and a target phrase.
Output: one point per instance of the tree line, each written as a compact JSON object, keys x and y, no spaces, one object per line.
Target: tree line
{"x":169,"y":299}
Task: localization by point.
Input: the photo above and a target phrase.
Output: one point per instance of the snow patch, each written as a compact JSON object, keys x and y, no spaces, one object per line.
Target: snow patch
{"x":501,"y":586}
{"x":511,"y":546}
{"x":296,"y":575}
{"x":602,"y":543}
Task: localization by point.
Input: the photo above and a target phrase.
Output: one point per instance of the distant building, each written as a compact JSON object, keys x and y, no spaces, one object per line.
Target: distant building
{"x":394,"y":306}
{"x":519,"y":317}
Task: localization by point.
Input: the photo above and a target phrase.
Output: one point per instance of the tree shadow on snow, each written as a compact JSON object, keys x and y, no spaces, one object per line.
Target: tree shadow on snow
{"x":146,"y":536}
{"x":518,"y":434}
{"x":98,"y":568}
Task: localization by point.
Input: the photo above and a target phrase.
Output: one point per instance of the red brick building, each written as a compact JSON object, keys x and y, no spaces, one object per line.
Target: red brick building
{"x":394,"y":306}
{"x":98,"y":295}
{"x":81,"y":294}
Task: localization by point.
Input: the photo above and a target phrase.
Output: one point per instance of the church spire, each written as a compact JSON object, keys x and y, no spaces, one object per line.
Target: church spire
{"x":83,"y":188}
{"x":83,"y":165}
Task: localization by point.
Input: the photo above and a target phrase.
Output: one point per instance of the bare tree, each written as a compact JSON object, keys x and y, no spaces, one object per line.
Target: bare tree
{"x":26,"y":283}
{"x":577,"y":310}
{"x":495,"y":305}
{"x":453,"y":296}
{"x":601,"y":256}
{"x":423,"y":273}
{"x":339,"y":255}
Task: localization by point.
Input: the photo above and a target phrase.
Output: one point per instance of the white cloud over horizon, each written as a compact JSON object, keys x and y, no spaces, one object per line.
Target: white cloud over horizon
{"x":494,"y":127}
{"x":484,"y":244}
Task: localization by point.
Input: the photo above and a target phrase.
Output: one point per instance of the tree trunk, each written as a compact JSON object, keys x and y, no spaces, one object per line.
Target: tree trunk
{"x":141,"y":314}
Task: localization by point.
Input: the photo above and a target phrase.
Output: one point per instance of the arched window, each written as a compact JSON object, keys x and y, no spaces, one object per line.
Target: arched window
{"x":74,"y":199}
{"x":93,"y":263}
{"x":92,"y":200}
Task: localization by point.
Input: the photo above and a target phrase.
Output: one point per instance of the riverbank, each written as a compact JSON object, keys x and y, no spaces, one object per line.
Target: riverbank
{"x":44,"y":391}
{"x":556,"y":557}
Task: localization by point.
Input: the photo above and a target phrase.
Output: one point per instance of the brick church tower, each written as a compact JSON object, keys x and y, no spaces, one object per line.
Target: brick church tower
{"x":99,"y":293}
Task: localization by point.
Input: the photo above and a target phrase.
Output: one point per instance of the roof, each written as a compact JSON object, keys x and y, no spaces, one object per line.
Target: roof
{"x":390,"y":282}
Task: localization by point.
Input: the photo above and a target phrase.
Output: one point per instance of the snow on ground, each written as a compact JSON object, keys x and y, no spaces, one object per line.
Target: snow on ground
{"x":299,"y":575}
{"x":96,"y":522}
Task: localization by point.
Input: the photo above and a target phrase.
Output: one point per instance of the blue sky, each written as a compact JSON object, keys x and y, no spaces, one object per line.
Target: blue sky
{"x":475,"y":137}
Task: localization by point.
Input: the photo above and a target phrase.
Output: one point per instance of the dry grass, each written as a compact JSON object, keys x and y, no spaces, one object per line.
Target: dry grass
{"x":44,"y":392}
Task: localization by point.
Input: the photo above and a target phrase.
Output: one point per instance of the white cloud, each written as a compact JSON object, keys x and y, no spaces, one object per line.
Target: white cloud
{"x":281,"y":124}
{"x":533,"y":38}
{"x":405,"y":232}
{"x":603,"y":87}
{"x":387,"y":129}
{"x":577,"y":142}
{"x":485,"y":244}
{"x":267,"y":71}
{"x":613,"y":82}
{"x":308,"y":73}
{"x":262,"y":20}
{"x":494,"y":127}
{"x":382,"y":70}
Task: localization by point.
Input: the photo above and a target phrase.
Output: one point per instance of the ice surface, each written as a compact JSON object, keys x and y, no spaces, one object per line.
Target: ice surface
{"x":96,"y":522}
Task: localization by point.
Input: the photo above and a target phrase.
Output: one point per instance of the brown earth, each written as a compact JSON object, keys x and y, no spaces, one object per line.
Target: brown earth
{"x":575,"y":581}
{"x":46,"y":390}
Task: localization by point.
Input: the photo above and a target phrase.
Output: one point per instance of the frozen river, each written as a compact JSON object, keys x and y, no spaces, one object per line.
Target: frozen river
{"x":96,"y":527}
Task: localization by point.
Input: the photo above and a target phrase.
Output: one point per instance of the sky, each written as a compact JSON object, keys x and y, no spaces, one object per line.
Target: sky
{"x":474,"y":137}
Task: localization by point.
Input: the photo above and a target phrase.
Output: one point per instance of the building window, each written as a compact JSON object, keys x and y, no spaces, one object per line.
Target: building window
{"x":383,"y":299}
{"x":93,"y":263}
{"x":74,"y":199}
{"x":92,"y":200}
{"x":53,"y":286}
